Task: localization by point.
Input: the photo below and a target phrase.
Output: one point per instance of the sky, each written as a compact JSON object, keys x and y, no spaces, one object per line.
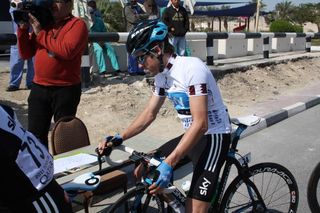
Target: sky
{"x":270,"y":3}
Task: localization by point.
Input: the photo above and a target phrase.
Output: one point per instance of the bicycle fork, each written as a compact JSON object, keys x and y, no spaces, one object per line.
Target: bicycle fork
{"x":257,"y":202}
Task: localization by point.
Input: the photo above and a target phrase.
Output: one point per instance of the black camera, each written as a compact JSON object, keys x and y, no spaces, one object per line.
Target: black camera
{"x":41,"y":9}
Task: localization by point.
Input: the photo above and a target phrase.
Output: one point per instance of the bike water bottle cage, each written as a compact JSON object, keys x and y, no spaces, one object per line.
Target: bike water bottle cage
{"x":84,"y":182}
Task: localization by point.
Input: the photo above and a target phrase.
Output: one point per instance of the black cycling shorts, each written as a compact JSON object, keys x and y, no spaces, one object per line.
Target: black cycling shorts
{"x":50,"y":199}
{"x":208,"y":156}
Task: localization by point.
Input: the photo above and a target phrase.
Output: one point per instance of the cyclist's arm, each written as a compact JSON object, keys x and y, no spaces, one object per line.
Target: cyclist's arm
{"x":146,"y":117}
{"x":199,"y":126}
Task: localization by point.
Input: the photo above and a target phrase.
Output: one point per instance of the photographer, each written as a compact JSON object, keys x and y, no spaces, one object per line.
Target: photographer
{"x":57,"y":48}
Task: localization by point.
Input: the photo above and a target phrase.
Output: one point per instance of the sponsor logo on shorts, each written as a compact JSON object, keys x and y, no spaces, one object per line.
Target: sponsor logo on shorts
{"x":204,"y":187}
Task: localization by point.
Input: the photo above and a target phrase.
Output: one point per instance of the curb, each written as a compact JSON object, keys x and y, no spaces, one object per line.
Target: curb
{"x":284,"y":113}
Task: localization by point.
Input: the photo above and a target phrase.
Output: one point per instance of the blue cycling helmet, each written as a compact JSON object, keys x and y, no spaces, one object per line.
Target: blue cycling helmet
{"x":144,"y":34}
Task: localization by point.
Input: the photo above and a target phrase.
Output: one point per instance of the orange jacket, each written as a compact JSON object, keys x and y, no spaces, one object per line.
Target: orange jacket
{"x":57,"y":52}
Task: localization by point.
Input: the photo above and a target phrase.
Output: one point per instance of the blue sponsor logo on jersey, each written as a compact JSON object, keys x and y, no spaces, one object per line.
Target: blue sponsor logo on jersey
{"x":180,"y":100}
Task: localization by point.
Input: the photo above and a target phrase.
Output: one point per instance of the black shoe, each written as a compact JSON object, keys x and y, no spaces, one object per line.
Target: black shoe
{"x":29,"y":87}
{"x":12,"y":88}
{"x":116,"y":73}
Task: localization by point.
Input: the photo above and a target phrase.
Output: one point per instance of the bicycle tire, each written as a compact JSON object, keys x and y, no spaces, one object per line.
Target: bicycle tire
{"x":265,"y":176}
{"x":148,"y":203}
{"x":313,"y":190}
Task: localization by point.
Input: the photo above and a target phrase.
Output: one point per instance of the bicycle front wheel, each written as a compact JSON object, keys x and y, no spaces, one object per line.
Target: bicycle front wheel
{"x":275,"y":190}
{"x":313,"y":192}
{"x":137,"y":200}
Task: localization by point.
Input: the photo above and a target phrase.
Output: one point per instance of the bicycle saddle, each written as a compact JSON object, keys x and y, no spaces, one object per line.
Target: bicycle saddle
{"x":249,"y":120}
{"x":84,"y":182}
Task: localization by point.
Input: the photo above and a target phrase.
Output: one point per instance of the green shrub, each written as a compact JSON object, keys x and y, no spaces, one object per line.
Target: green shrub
{"x":315,"y":42}
{"x":285,"y":26}
{"x":298,"y":28}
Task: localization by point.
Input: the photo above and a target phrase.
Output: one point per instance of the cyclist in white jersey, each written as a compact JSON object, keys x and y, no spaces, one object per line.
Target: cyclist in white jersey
{"x":26,"y":180}
{"x":192,"y":89}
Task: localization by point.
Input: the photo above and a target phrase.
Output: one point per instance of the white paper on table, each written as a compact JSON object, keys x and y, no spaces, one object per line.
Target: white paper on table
{"x":71,"y":162}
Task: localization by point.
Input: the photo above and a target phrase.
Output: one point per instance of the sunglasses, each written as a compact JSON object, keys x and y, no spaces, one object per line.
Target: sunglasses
{"x":141,"y":58}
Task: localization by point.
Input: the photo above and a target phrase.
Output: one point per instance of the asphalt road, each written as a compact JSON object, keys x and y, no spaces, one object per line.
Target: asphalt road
{"x":293,"y":143}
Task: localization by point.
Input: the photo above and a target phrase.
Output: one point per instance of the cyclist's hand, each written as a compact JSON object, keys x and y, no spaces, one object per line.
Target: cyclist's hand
{"x":105,"y":148}
{"x":164,"y":178}
{"x":115,"y":140}
{"x":138,"y":171}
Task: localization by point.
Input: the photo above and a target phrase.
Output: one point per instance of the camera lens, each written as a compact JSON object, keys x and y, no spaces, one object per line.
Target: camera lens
{"x":13,"y":4}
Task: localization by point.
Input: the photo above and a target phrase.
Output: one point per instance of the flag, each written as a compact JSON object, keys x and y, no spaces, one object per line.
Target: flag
{"x":190,"y":4}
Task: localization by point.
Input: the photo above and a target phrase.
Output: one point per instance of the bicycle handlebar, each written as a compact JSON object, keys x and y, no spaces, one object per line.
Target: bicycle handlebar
{"x":125,"y":149}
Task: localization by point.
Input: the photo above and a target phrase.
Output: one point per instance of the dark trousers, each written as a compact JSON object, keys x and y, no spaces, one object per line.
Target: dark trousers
{"x":48,"y":199}
{"x":47,"y":101}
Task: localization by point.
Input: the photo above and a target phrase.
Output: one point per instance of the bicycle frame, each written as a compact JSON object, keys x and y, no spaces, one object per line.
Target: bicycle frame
{"x":242,"y":171}
{"x":224,"y":195}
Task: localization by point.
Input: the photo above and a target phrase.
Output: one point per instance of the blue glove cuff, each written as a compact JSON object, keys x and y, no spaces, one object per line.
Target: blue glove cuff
{"x":108,"y":138}
{"x":164,"y":167}
{"x":165,"y":174}
{"x":117,"y":140}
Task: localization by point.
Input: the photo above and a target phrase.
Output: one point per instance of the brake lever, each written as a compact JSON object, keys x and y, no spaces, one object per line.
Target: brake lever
{"x":99,"y":158}
{"x":106,"y":152}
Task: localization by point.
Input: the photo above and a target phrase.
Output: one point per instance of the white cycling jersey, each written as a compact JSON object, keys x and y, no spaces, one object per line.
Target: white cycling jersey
{"x":23,"y":154}
{"x":189,"y":76}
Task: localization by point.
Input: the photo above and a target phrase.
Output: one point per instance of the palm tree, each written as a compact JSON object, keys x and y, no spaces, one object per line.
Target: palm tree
{"x":284,"y":10}
{"x":112,"y":15}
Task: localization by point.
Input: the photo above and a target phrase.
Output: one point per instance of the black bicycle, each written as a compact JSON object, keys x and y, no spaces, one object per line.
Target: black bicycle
{"x":264,"y":187}
{"x":313,"y":191}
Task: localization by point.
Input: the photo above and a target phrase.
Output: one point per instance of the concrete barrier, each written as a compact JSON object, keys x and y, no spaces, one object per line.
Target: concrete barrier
{"x":209,"y":45}
{"x":298,"y":44}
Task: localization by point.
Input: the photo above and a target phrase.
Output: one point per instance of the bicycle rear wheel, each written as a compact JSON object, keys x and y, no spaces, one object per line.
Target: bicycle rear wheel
{"x":313,"y":191}
{"x":274,"y":183}
{"x":136,"y":200}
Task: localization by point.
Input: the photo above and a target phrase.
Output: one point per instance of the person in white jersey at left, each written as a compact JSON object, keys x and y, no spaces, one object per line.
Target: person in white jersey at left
{"x":26,"y":181}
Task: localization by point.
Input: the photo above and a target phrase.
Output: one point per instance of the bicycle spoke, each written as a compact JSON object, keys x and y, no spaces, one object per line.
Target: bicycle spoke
{"x":262,"y":183}
{"x":246,"y":196}
{"x":265,"y":190}
{"x":276,"y":187}
{"x":281,"y":204}
{"x":271,"y":191}
{"x":243,"y":206}
{"x":272,"y":194}
{"x":265,"y":195}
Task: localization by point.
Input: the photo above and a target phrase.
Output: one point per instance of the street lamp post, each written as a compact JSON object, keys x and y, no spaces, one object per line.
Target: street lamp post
{"x":257,"y":15}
